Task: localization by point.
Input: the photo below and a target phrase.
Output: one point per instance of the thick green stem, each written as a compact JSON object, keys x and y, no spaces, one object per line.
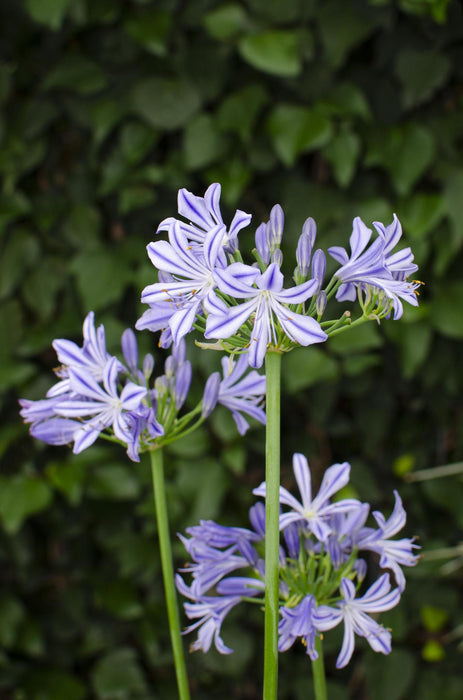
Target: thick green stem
{"x":157,"y":470}
{"x":272,"y":514}
{"x":318,"y":668}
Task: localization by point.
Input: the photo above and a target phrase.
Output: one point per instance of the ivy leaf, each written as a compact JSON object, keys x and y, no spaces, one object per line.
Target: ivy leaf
{"x":226,"y":21}
{"x":20,"y":497}
{"x":240,"y":110}
{"x":118,"y":675}
{"x":343,"y":152}
{"x":343,"y":26}
{"x":405,"y":151}
{"x":77,"y":73}
{"x":151,"y":30}
{"x":295,"y":130}
{"x":48,"y":12}
{"x":277,"y":52}
{"x":201,"y":142}
{"x":165,"y":103}
{"x":101,"y":278}
{"x":421,"y":74}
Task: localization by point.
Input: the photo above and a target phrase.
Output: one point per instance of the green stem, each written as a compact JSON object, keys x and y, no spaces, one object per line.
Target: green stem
{"x":157,"y":470}
{"x":318,"y":668}
{"x":272,"y":515}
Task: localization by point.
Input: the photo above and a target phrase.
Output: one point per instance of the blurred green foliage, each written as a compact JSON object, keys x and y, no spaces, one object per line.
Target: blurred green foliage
{"x":331,"y":108}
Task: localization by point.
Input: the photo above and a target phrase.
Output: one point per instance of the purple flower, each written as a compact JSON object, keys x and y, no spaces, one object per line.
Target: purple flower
{"x":314,"y":511}
{"x":267,"y":303}
{"x":176,"y":301}
{"x":353,"y":612}
{"x":374,"y":266}
{"x":204,"y":214}
{"x":91,"y":357}
{"x":393,"y":553}
{"x":298,"y":622}
{"x":237,"y":393}
{"x":104,"y":404}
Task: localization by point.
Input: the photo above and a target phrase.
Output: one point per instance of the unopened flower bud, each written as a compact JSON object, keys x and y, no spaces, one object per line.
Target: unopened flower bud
{"x":277,"y":257}
{"x":262,"y":243}
{"x":211,"y":394}
{"x":182,"y":383}
{"x":275,"y":226}
{"x":320,"y":303}
{"x":148,"y":365}
{"x":319,"y":266}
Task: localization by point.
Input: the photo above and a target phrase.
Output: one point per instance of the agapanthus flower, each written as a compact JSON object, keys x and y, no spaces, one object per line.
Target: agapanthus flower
{"x":314,"y":511}
{"x":237,"y":391}
{"x":374,"y":267}
{"x":267,"y":309}
{"x":118,"y":402}
{"x":321,"y":570}
{"x":203,"y":214}
{"x":354,"y":613}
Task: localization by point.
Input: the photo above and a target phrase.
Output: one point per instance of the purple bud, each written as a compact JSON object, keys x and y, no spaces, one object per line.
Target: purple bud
{"x":275,"y":226}
{"x":56,"y":431}
{"x":130,"y":350}
{"x":319,"y":266}
{"x":262,"y":243}
{"x":161,"y":385}
{"x":211,"y":394}
{"x":148,"y":365}
{"x":257,"y":518}
{"x":277,"y":257}
{"x":320,"y":303}
{"x":182,"y":383}
{"x":304,"y":253}
{"x":179,"y":352}
{"x":310,"y":229}
{"x":170,"y":366}
{"x":291,"y":535}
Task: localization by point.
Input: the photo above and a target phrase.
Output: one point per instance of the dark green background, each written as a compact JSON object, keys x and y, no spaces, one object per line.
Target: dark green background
{"x":333,"y":109}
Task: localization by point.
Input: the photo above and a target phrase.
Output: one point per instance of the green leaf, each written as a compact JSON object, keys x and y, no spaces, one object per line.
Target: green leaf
{"x":48,"y":12}
{"x":390,"y":677}
{"x":226,"y":22}
{"x":445,"y":309}
{"x":421,"y":214}
{"x":101,"y":278}
{"x":120,"y":599}
{"x":452,"y":199}
{"x":357,"y":339}
{"x":151,"y":30}
{"x":342,"y":26}
{"x":421,"y":74}
{"x":295,"y":130}
{"x":105,"y":114}
{"x":20,"y":252}
{"x":77,"y":73}
{"x":405,"y":151}
{"x":114,"y":482}
{"x":12,"y":615}
{"x":136,"y":141}
{"x":433,"y":618}
{"x":234,"y":175}
{"x":277,"y":52}
{"x":305,"y":367}
{"x":67,"y":478}
{"x":165,"y":103}
{"x":53,"y":685}
{"x":343,"y":152}
{"x":202,"y":144}
{"x":345,"y":100}
{"x":135,"y":197}
{"x":83,"y":226}
{"x":240,"y":110}
{"x":20,"y":497}
{"x":43,"y":283}
{"x":118,"y":675}
{"x":433,"y":651}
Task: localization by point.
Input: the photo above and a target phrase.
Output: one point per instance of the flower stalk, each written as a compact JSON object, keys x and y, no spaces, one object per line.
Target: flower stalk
{"x":272,"y":514}
{"x":159,"y":491}
{"x":318,"y":669}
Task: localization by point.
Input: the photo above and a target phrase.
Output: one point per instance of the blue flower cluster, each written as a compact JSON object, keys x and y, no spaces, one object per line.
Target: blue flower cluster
{"x":204,"y":283}
{"x":99,"y":395}
{"x":322,"y":567}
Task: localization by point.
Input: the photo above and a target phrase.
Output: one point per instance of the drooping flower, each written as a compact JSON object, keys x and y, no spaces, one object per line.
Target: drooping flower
{"x":354,"y":613}
{"x":298,"y":622}
{"x":240,"y":394}
{"x":267,"y":310}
